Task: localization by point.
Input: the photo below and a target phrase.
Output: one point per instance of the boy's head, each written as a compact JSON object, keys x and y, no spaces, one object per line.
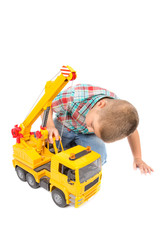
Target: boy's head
{"x":112,"y":119}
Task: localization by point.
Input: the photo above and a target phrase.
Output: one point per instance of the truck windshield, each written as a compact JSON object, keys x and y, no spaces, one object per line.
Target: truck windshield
{"x":90,"y":170}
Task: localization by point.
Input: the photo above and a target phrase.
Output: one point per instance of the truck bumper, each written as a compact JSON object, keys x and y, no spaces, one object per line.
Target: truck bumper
{"x":77,"y":201}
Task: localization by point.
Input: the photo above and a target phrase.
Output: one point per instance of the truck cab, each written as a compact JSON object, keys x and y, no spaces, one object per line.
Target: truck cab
{"x":78,"y":171}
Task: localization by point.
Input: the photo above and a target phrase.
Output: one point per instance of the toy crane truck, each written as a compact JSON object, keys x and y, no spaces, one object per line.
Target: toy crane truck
{"x":73,"y":175}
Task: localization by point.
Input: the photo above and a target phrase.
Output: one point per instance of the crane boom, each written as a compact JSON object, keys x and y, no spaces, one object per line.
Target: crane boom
{"x":52,"y":88}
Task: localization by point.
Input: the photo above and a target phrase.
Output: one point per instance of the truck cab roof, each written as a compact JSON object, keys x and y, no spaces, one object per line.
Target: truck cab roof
{"x":77,"y":157}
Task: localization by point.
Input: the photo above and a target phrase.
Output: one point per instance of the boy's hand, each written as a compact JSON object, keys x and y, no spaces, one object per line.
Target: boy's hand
{"x":52,"y":131}
{"x":144,"y":168}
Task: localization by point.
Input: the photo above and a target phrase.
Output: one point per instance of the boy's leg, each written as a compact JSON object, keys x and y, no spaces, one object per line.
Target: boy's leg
{"x":94,"y":142}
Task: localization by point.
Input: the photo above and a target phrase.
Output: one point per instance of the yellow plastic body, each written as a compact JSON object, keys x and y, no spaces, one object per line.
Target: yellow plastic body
{"x":74,"y":193}
{"x":31,"y":153}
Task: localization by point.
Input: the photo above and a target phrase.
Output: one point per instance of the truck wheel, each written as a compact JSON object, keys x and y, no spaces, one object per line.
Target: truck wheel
{"x":21,"y":173}
{"x":59,"y":197}
{"x":31,"y":181}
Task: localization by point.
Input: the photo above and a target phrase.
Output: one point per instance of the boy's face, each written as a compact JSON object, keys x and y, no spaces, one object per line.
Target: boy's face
{"x":92,"y":117}
{"x":92,"y":122}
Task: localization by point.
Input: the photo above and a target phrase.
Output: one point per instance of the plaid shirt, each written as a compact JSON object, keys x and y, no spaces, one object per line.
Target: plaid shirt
{"x":72,"y":105}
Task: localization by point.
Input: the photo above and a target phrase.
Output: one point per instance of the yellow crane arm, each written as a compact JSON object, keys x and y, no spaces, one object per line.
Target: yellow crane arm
{"x":52,"y":88}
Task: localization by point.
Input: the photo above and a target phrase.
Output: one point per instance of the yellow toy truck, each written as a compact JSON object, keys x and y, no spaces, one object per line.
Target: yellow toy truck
{"x":73,"y":175}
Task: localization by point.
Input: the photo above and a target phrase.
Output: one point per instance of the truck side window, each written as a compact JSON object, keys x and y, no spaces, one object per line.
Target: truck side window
{"x":64,"y":170}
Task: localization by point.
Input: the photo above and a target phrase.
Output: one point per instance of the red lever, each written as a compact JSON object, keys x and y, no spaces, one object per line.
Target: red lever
{"x":15,"y":133}
{"x":38,"y":134}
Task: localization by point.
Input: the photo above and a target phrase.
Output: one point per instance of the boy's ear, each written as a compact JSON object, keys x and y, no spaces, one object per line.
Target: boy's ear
{"x":101,"y":103}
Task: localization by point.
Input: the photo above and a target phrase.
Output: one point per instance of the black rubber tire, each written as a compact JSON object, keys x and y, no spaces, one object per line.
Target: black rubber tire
{"x":31,"y":181}
{"x":59,"y":198}
{"x":21,"y":173}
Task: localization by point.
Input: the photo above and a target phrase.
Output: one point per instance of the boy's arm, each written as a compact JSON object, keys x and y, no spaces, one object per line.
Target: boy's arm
{"x":52,"y":131}
{"x":134,"y":142}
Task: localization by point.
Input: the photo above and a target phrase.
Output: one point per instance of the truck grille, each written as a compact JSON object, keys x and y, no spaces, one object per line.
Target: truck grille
{"x":91,"y":184}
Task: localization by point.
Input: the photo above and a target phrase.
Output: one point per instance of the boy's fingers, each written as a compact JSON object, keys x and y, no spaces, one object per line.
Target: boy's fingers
{"x":57,"y":137}
{"x":56,"y":134}
{"x":50,"y":138}
{"x":145,"y":171}
{"x":150,"y":170}
{"x":144,"y":168}
{"x":141,"y":169}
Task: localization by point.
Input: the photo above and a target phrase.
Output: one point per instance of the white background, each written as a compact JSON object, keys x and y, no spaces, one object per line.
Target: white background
{"x":113,"y":44}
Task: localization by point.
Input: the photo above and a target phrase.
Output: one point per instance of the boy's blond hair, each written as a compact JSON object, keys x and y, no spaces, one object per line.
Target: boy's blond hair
{"x":118,"y":119}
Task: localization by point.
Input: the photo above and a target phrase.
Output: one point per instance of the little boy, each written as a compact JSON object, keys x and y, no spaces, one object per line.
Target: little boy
{"x":88,"y":115}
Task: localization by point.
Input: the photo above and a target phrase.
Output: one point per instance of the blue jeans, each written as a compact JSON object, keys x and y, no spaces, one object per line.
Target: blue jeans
{"x":70,"y":139}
